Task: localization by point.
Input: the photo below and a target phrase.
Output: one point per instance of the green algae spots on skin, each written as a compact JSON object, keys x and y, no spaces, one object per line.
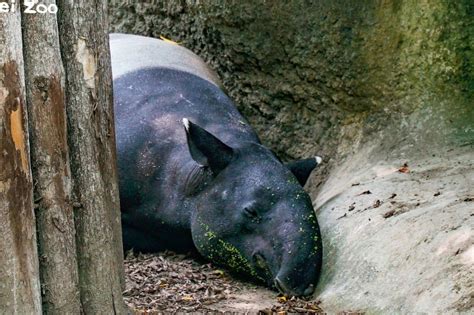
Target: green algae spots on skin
{"x":224,"y":253}
{"x":292,"y":180}
{"x":234,"y":260}
{"x":315,"y":250}
{"x":311,"y":219}
{"x":210,"y":235}
{"x":315,"y":238}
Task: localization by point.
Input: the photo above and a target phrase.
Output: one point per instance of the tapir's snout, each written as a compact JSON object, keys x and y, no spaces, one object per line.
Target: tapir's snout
{"x":296,"y":282}
{"x":284,"y":288}
{"x":300,"y":267}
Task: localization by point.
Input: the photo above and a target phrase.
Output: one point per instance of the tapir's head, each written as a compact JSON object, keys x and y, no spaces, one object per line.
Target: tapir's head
{"x":252,"y":214}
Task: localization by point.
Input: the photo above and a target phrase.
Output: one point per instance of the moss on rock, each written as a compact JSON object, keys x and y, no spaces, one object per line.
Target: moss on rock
{"x":315,"y":71}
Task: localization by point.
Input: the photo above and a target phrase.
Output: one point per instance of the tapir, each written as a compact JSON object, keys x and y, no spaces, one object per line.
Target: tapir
{"x":193,"y":174}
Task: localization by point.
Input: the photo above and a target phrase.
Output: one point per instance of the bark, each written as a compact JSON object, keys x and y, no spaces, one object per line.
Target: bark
{"x":19,"y":285}
{"x":91,"y":137}
{"x":44,"y":78}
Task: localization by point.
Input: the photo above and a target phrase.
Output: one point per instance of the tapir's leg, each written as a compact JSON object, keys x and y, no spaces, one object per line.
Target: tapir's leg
{"x":139,"y":241}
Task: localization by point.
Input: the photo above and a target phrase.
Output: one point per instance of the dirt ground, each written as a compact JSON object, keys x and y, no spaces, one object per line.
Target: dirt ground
{"x":178,"y":283}
{"x":398,"y":233}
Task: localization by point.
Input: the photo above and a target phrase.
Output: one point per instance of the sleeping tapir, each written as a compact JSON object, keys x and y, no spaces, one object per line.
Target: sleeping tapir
{"x":194,"y":175}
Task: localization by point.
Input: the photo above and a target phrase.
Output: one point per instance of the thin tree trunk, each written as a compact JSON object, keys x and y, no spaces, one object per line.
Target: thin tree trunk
{"x":19,"y":276}
{"x":44,"y":78}
{"x":84,"y":45}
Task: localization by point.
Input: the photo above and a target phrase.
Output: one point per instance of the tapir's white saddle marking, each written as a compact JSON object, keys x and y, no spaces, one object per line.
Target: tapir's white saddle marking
{"x":150,"y":53}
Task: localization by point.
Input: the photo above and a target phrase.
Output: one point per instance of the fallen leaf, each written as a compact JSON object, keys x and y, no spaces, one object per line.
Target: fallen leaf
{"x":342,"y":216}
{"x":388,"y":214}
{"x":282,"y":299}
{"x":377,"y":204}
{"x":404,"y":169}
{"x":168,"y":40}
{"x":218,"y":272}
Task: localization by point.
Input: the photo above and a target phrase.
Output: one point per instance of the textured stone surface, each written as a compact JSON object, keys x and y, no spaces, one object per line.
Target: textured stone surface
{"x":369,"y":85}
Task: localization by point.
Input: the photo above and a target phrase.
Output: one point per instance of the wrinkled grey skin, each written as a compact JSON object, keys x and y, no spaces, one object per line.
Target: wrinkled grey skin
{"x":194,"y":175}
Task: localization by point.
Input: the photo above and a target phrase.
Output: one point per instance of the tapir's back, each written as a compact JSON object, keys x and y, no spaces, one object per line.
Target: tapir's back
{"x":156,"y":85}
{"x":132,"y":52}
{"x":164,"y":82}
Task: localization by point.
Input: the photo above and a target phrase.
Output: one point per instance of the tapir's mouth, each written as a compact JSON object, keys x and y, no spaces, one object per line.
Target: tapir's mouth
{"x":283,"y":289}
{"x":279,"y":286}
{"x":263,"y":270}
{"x":262,"y":267}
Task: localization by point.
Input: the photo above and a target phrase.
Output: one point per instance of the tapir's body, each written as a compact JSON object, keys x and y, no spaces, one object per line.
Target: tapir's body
{"x":151,"y":140}
{"x":177,"y":181}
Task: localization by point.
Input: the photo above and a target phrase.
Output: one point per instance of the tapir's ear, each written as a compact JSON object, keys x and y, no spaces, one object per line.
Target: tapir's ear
{"x":302,"y":168}
{"x":206,"y":149}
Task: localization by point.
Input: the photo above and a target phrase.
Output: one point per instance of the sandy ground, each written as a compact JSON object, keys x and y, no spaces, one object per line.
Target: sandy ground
{"x":398,"y":233}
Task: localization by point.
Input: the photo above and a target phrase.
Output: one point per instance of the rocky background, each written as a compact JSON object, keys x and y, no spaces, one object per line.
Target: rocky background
{"x":384,"y":91}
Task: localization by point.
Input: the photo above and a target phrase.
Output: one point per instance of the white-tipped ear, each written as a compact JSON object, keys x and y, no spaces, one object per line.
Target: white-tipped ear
{"x":302,"y":168}
{"x":186,"y":123}
{"x":206,"y":149}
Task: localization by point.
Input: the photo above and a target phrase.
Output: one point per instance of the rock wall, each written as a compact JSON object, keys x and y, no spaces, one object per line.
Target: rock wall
{"x":369,"y":85}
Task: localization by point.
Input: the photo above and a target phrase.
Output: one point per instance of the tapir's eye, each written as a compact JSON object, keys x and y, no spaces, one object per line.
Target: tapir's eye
{"x":251,"y":212}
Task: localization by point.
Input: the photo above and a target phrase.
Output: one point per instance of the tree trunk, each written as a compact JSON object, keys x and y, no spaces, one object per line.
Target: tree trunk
{"x":91,"y":137}
{"x":44,"y":78}
{"x":19,"y":284}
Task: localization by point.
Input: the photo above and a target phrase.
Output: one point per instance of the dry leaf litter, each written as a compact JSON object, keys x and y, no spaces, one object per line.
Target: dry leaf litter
{"x":168,"y":282}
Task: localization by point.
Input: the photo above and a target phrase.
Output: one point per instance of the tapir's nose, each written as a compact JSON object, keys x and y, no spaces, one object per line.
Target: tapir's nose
{"x":309,"y":290}
{"x":299,"y":270}
{"x":285,"y":289}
